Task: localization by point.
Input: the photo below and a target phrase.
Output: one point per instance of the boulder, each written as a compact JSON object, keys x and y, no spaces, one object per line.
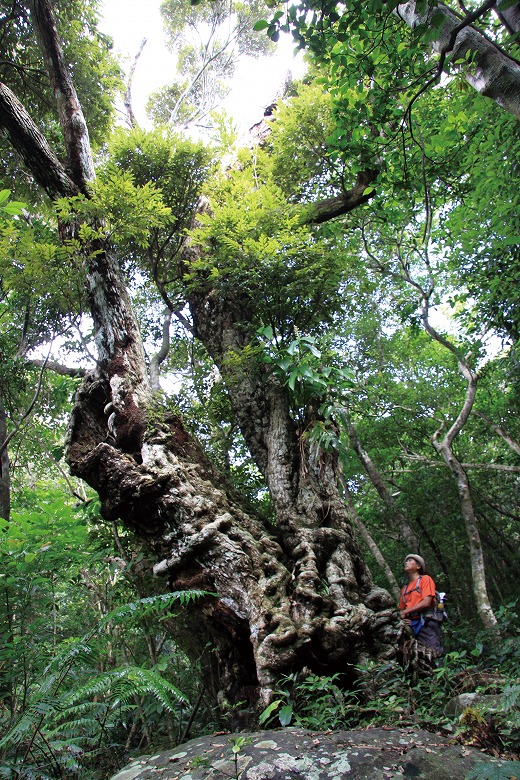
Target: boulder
{"x":482,"y":701}
{"x":297,"y":754}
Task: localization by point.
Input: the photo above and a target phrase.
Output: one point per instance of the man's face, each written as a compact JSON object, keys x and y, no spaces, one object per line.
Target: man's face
{"x":411,"y":566}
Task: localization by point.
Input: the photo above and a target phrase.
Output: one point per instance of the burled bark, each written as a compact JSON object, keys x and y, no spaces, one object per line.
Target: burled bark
{"x":329,"y":607}
{"x":490,"y":71}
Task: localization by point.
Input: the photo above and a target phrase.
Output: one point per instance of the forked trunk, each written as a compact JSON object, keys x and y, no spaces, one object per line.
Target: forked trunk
{"x":290,"y":595}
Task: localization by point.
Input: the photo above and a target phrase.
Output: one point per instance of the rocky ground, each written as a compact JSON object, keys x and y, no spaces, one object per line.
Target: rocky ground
{"x":292,"y":753}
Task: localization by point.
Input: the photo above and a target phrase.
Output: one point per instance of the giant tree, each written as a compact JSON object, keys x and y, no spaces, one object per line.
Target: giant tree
{"x":293,"y":590}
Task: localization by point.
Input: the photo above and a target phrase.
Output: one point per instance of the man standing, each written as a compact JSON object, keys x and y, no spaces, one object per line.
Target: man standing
{"x":417,"y":604}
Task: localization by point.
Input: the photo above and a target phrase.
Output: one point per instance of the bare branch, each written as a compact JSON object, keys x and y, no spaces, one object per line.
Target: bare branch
{"x":130,"y":116}
{"x":26,"y":414}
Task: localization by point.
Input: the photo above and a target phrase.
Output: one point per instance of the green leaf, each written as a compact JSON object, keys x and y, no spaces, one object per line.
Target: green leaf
{"x":262,"y":24}
{"x":285,"y":715}
{"x":14,"y":207}
{"x":293,"y":377}
{"x":265,"y":715}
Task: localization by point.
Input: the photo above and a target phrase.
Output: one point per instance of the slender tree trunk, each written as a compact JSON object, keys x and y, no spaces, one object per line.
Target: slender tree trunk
{"x":370,"y":543}
{"x":407,"y":533}
{"x":478,"y":571}
{"x":5,"y":478}
{"x":444,"y":447}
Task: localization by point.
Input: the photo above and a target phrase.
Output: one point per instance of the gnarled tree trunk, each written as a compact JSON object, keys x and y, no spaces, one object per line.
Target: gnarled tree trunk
{"x":290,"y":595}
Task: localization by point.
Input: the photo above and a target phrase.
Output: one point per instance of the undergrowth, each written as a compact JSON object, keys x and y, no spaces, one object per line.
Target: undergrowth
{"x":387,"y":695}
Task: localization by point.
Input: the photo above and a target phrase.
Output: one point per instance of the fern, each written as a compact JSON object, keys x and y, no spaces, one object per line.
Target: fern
{"x":66,"y":720}
{"x":119,"y":685}
{"x":151,"y":605}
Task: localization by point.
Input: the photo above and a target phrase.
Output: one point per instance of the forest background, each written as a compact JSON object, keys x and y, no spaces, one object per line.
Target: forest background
{"x":328,"y":310}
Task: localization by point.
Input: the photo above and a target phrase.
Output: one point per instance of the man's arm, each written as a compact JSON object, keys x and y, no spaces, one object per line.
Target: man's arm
{"x":424,"y":603}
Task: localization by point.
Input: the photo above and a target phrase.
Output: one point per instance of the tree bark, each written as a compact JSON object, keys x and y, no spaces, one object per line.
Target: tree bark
{"x":491,"y":71}
{"x":5,"y":479}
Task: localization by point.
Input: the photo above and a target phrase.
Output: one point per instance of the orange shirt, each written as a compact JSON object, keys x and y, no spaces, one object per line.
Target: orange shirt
{"x":412,"y":593}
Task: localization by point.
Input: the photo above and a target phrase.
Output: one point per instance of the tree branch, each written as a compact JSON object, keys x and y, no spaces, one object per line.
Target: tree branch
{"x":162,"y":354}
{"x":26,"y":414}
{"x":57,"y":368}
{"x":337,"y":206}
{"x":70,"y":114}
{"x":32,"y":146}
{"x":130,"y":116}
{"x":491,"y":71}
{"x":501,"y":432}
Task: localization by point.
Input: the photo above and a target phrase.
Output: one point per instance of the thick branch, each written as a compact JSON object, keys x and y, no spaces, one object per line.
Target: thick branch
{"x":70,"y":113}
{"x":58,"y":368}
{"x":491,"y":71}
{"x":32,"y":147}
{"x":510,"y":18}
{"x":337,"y":206}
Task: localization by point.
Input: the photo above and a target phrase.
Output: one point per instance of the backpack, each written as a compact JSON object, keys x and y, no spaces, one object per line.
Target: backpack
{"x":438,"y":612}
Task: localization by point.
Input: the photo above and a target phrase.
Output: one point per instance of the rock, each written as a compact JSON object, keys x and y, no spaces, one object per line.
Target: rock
{"x":489,"y":702}
{"x":297,"y":754}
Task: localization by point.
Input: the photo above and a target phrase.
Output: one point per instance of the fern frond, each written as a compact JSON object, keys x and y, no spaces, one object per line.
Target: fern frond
{"x":29,"y":720}
{"x":118,"y":686}
{"x":151,"y":605}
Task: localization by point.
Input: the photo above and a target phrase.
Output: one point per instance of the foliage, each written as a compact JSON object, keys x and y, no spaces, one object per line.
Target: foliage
{"x":72,"y":686}
{"x":331,"y":312}
{"x":385,"y":694}
{"x":208,"y":39}
{"x":254,"y":242}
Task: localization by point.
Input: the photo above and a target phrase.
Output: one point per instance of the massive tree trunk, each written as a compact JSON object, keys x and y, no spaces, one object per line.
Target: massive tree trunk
{"x":293,"y":595}
{"x":289,"y":595}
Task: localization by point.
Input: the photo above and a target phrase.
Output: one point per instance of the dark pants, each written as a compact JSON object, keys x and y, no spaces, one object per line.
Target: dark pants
{"x":430,"y":634}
